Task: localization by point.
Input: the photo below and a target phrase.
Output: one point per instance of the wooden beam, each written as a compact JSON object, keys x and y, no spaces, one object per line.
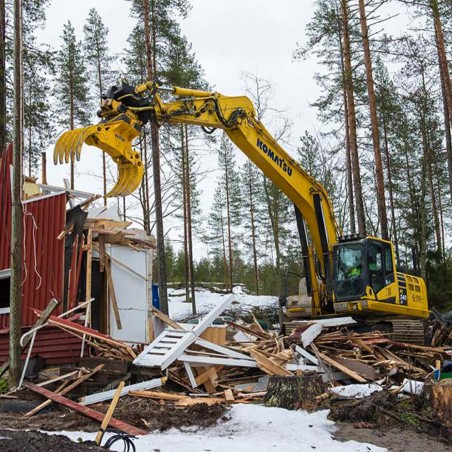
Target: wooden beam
{"x":342,"y":368}
{"x":67,"y":324}
{"x":207,"y":375}
{"x":229,"y":396}
{"x":164,"y":318}
{"x":85,"y":411}
{"x":112,"y":295}
{"x":269,"y":366}
{"x":109,"y":414}
{"x":89,"y":263}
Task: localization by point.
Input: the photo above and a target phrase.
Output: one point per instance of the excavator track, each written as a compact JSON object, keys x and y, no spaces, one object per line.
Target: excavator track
{"x":410,"y":331}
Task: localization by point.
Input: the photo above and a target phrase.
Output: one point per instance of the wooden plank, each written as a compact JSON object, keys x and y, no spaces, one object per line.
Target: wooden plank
{"x":191,"y":375}
{"x":229,"y":396}
{"x":307,"y":355}
{"x":207,"y":375}
{"x":102,"y":257}
{"x":157,"y":395}
{"x":85,"y":411}
{"x":107,"y":395}
{"x":109,"y":414}
{"x":164,"y":318}
{"x":112,"y":295}
{"x":64,"y":391}
{"x":310,"y":334}
{"x":269,"y":366}
{"x":211,"y":383}
{"x":216,"y":361}
{"x":61,"y":377}
{"x":342,"y":368}
{"x":207,"y":320}
{"x":67,"y":324}
{"x":89,"y":263}
{"x":189,"y":401}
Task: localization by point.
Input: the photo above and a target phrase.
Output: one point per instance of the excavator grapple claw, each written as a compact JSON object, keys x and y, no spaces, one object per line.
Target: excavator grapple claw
{"x":114,"y":138}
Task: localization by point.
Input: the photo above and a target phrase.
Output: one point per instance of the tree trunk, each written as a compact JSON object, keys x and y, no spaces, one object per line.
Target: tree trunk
{"x":391,"y":190}
{"x":228,"y":220}
{"x":348,"y":76}
{"x":253,"y":236}
{"x":438,"y":396}
{"x":2,"y":78}
{"x":446,"y":84}
{"x":104,"y":160}
{"x":190,"y":225}
{"x":17,"y":215}
{"x":348,"y":155}
{"x":71,"y":125}
{"x":294,"y":393}
{"x":448,"y":135}
{"x":185,"y":220}
{"x":150,"y":65}
{"x":381,"y":203}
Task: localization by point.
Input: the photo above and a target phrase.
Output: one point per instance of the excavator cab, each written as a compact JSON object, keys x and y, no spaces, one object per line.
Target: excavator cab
{"x":365,"y":279}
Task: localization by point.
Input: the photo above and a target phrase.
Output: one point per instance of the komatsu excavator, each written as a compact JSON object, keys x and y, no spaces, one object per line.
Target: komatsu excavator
{"x":344,"y":274}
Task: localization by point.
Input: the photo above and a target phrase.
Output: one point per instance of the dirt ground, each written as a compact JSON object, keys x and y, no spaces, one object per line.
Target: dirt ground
{"x":151,"y":415}
{"x":385,"y":420}
{"x":143,"y":413}
{"x":394,"y":439}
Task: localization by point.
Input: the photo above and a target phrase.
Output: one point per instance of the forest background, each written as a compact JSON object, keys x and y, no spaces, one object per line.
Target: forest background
{"x":367,"y":113}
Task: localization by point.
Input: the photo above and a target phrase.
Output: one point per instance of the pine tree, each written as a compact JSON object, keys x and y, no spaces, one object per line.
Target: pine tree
{"x":71,"y":87}
{"x":217,"y":235}
{"x":251,"y":182}
{"x":232,"y":200}
{"x":98,"y":60}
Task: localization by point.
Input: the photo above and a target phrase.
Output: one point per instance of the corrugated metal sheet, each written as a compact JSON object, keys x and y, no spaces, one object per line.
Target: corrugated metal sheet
{"x":43,"y":254}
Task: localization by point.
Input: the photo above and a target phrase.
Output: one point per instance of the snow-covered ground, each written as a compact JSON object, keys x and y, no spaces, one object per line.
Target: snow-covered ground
{"x":251,"y":428}
{"x":206,"y":300}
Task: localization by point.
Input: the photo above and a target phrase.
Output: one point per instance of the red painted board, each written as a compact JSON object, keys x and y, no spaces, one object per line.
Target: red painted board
{"x":88,"y":412}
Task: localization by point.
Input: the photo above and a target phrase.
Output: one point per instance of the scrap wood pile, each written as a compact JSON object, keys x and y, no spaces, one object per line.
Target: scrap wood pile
{"x":243,"y":365}
{"x":440,"y":329}
{"x":208,"y":369}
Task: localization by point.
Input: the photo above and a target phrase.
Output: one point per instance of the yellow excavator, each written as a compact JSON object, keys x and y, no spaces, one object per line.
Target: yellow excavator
{"x":344,"y":274}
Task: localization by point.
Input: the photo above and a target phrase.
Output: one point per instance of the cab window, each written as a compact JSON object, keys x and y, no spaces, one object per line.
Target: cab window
{"x":389,"y":268}
{"x":375,"y":259}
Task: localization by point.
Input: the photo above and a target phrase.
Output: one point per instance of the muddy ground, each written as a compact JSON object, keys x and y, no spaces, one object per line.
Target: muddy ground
{"x":144,"y":413}
{"x":388,"y":421}
{"x":394,"y":439}
{"x":361,"y":425}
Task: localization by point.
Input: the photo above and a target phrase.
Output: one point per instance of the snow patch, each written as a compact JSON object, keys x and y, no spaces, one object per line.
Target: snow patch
{"x":356,"y":391}
{"x":253,"y":427}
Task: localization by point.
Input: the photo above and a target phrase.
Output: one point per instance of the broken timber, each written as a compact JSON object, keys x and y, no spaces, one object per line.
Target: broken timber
{"x":85,"y":411}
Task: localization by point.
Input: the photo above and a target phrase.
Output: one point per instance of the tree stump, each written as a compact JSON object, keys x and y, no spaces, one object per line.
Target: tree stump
{"x":439,"y":396}
{"x":294,"y":392}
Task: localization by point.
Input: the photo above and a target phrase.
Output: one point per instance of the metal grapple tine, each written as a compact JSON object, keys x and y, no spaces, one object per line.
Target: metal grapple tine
{"x":72,"y":142}
{"x":85,"y":133}
{"x":121,"y":183}
{"x":59,"y":150}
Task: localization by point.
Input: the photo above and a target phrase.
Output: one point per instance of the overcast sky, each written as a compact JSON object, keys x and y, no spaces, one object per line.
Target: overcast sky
{"x":228,"y":37}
